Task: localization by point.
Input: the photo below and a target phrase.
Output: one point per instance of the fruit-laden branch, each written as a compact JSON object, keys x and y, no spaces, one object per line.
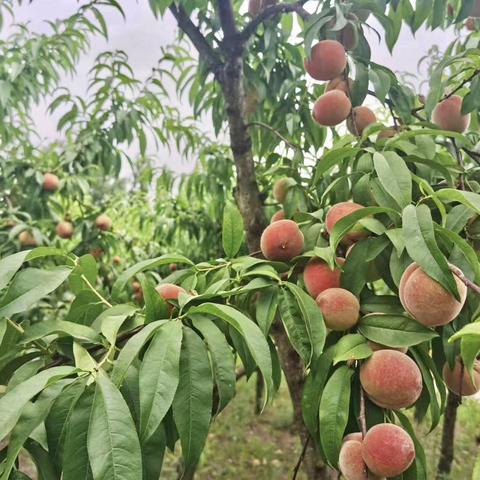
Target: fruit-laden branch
{"x":205,"y":50}
{"x":270,"y":12}
{"x":362,"y":417}
{"x":464,"y":279}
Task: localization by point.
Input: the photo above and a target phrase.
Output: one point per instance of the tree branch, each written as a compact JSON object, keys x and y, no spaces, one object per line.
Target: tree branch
{"x":464,"y":279}
{"x":227,"y":19}
{"x":205,"y":50}
{"x":275,"y":132}
{"x":270,"y":12}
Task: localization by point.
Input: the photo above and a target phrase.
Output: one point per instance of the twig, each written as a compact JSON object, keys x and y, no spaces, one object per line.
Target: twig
{"x":460,"y":161}
{"x":301,"y":458}
{"x":269,"y":12}
{"x":95,"y":291}
{"x":362,"y":416}
{"x":276,"y":132}
{"x":464,"y":279}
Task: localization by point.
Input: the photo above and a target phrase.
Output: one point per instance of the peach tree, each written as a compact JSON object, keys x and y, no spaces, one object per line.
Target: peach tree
{"x":363,"y":290}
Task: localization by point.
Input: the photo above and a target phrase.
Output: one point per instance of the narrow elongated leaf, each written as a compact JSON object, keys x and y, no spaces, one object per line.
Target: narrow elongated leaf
{"x":131,"y":349}
{"x":394,"y":330}
{"x":351,"y":347}
{"x":422,"y":247}
{"x":30,"y":286}
{"x":252,"y":335}
{"x":155,"y":306}
{"x":76,"y":464}
{"x":58,"y":418}
{"x":12,"y":403}
{"x":9,"y":267}
{"x":45,"y":467}
{"x":153,"y":452}
{"x":333,"y":413}
{"x":266,"y":308}
{"x":192,"y":405}
{"x":159,"y":376}
{"x":232,"y":230}
{"x":122,"y":280}
{"x":223,"y":361}
{"x":113,"y":445}
{"x":110,"y":321}
{"x":62,"y":328}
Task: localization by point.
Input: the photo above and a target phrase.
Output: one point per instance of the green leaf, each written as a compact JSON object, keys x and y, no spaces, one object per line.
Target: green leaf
{"x":113,"y":445}
{"x":192,"y":406}
{"x":295,"y":326}
{"x":86,"y":267}
{"x":223,"y":361}
{"x":351,"y":347}
{"x":252,"y":335}
{"x":394,"y":176}
{"x":469,"y":199}
{"x":312,"y":317}
{"x":30,"y":286}
{"x":110,"y":321}
{"x":153,"y":452}
{"x":45,"y":468}
{"x":470,"y":330}
{"x":266,"y":308}
{"x":394,"y":330}
{"x":9,"y":267}
{"x":12,"y":403}
{"x":423,"y":249}
{"x":333,"y":413}
{"x":61,"y":328}
{"x":32,"y":416}
{"x":159,"y":376}
{"x":155,"y":306}
{"x":131,"y":349}
{"x":76,"y":465}
{"x":122,"y":280}
{"x":59,"y":417}
{"x":232,"y":230}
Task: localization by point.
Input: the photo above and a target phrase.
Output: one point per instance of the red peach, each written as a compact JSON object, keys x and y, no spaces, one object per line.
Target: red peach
{"x":64,"y":229}
{"x":341,"y":210}
{"x":327,"y":61}
{"x":50,"y":182}
{"x":103,"y":222}
{"x":331,"y":108}
{"x":339,"y":307}
{"x":362,"y":117}
{"x":282,"y":241}
{"x":280,"y":215}
{"x":318,"y":276}
{"x":448,"y":115}
{"x":460,"y":382}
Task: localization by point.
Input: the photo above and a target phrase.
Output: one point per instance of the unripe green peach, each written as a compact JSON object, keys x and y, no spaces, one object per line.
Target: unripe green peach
{"x":426,"y":300}
{"x":361,"y":118}
{"x":318,"y":276}
{"x":331,"y":108}
{"x":328,"y":60}
{"x":448,"y":115}
{"x":458,"y":380}
{"x":282,"y":241}
{"x":391,"y":379}
{"x":340,"y":308}
{"x":388,"y":450}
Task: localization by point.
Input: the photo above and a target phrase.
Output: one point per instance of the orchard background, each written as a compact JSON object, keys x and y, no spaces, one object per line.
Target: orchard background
{"x":304,"y":303}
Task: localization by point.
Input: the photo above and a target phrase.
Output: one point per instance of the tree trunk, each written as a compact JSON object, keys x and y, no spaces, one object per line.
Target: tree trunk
{"x":448,"y":436}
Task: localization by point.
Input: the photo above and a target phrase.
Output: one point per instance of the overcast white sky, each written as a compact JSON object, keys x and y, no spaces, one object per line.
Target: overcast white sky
{"x":142,"y":36}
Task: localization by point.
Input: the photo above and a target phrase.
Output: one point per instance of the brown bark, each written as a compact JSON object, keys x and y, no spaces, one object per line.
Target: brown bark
{"x":448,"y":436}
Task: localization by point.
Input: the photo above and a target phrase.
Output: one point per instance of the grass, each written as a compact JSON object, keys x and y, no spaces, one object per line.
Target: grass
{"x":243,"y":446}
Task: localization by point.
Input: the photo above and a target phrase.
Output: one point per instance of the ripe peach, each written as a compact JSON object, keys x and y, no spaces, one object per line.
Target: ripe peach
{"x":470,"y":24}
{"x":280,"y":189}
{"x":426,"y":300}
{"x":388,"y":450}
{"x":362,"y":118}
{"x":339,"y":83}
{"x":318,"y":276}
{"x":387,"y":133}
{"x":378,"y":346}
{"x":280,"y":215}
{"x":353,"y":436}
{"x":50,"y":182}
{"x":448,"y":115}
{"x":460,"y":382}
{"x":138,"y":295}
{"x":347,"y":37}
{"x":282,"y":240}
{"x":64,"y":229}
{"x":391,"y":379}
{"x":173,"y":267}
{"x":169,"y":291}
{"x":340,"y":308}
{"x":96,"y":252}
{"x":26,"y":239}
{"x":103,"y":222}
{"x":340,"y":210}
{"x":117,"y":260}
{"x":328,"y":60}
{"x":350,"y":461}
{"x":331,"y":108}
{"x":136,"y":286}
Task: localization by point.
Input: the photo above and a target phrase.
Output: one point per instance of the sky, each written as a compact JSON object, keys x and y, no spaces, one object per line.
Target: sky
{"x":141,"y":36}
